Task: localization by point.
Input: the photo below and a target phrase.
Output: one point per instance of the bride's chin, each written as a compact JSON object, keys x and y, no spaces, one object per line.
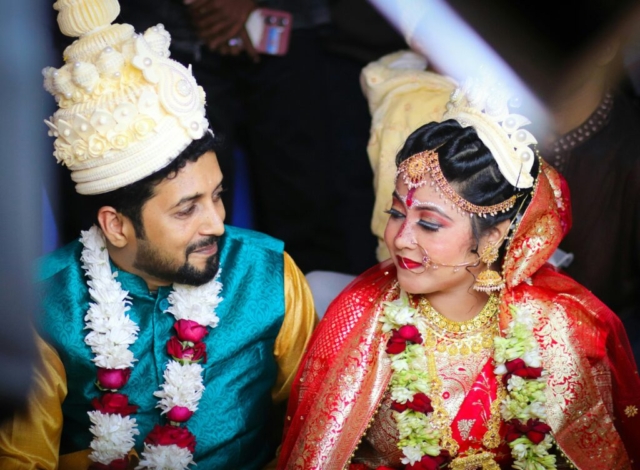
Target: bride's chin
{"x":411,"y":283}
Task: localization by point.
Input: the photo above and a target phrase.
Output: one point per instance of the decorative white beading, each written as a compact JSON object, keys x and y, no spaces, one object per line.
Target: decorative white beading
{"x":116,"y":93}
{"x":484,"y":104}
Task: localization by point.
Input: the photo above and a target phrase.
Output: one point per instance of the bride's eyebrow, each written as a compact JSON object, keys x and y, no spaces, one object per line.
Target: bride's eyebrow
{"x":431,"y":206}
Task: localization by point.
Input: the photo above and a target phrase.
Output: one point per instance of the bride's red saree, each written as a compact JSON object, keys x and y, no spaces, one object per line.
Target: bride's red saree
{"x":593,"y":388}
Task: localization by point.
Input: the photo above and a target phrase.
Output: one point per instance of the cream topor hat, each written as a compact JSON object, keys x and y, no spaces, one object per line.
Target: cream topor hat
{"x":125,"y":109}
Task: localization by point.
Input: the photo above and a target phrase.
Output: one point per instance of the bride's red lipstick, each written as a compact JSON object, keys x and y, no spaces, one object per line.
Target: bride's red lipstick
{"x":406,"y":263}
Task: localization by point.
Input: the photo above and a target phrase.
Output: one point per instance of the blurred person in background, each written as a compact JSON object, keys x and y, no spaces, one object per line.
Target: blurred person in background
{"x":596,"y":147}
{"x":23,"y":33}
{"x":166,"y":338}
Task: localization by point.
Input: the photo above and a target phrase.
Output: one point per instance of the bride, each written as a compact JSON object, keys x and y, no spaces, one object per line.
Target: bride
{"x":466,"y":350}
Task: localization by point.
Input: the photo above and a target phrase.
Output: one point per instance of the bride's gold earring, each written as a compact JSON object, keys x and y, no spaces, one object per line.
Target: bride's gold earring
{"x":489,"y":280}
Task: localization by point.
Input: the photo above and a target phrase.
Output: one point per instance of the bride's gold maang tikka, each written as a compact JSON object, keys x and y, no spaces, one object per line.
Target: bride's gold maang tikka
{"x":416,"y":169}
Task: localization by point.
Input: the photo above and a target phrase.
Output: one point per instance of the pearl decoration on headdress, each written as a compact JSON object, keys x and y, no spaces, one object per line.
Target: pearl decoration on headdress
{"x":125,"y":108}
{"x":483,"y":104}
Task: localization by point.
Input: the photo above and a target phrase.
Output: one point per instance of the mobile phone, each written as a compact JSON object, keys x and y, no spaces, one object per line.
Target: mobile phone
{"x":269,"y":30}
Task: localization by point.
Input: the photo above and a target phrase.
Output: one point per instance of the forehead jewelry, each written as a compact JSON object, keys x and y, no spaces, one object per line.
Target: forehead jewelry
{"x":415,"y":170}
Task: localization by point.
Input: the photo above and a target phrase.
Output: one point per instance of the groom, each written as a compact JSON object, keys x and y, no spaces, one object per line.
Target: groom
{"x":166,"y":337}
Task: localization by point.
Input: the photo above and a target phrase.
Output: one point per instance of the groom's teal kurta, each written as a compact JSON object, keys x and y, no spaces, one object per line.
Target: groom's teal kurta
{"x":231,"y":423}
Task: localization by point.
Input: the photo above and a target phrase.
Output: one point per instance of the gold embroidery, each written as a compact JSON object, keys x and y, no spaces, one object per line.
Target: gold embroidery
{"x":459,"y":339}
{"x":631,"y":411}
{"x":464,"y":426}
{"x":329,"y":440}
{"x":381,"y":439}
{"x":576,"y":410}
{"x":491,"y":438}
{"x":602,"y":378}
{"x":439,"y":417}
{"x":458,"y":375}
{"x":482,"y":460}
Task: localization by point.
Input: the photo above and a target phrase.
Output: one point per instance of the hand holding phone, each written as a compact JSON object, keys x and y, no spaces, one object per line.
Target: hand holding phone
{"x":269,"y":30}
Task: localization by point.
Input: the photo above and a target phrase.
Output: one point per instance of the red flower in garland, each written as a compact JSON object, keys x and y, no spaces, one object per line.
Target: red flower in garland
{"x":399,"y":407}
{"x":120,"y":464}
{"x":186,"y":351}
{"x":168,"y":434}
{"x":189,"y":330}
{"x":399,"y":339}
{"x":519,"y":367}
{"x":431,"y":463}
{"x":534,"y":429}
{"x":114,"y":403}
{"x":420,"y":403}
{"x":179,"y":414}
{"x":112,"y":379}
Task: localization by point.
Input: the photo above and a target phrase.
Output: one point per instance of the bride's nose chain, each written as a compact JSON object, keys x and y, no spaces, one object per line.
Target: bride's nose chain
{"x":428,"y":262}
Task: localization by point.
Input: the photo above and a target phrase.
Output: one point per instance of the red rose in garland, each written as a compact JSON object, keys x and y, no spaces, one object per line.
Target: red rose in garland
{"x":112,"y":379}
{"x":519,"y":367}
{"x":168,"y":434}
{"x":431,"y":463}
{"x":179,"y":414}
{"x":400,"y":337}
{"x":114,"y":403}
{"x":534,"y":429}
{"x":399,"y":407}
{"x":188,"y":330}
{"x":420,"y":403}
{"x":186,"y":351}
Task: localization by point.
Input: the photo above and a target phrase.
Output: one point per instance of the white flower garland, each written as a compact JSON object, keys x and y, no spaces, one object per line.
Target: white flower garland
{"x":114,"y":436}
{"x":165,"y":457}
{"x":111,"y":334}
{"x":526,"y":396}
{"x":182,"y":386}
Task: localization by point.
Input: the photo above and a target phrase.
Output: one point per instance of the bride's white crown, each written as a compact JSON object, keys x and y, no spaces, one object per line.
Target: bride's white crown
{"x":484,"y":104}
{"x":125,"y":109}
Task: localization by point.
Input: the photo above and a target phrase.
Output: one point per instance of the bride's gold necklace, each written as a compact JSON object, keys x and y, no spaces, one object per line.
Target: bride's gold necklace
{"x":462,"y":338}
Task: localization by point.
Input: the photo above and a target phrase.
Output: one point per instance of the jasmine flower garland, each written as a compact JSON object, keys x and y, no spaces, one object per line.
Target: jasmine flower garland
{"x":518,"y":362}
{"x":410,"y":382}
